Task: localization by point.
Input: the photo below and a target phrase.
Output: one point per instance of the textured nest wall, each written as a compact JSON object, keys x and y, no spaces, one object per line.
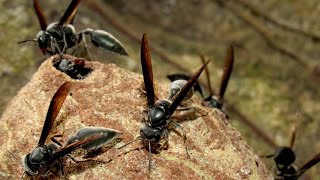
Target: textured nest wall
{"x":111,"y":97}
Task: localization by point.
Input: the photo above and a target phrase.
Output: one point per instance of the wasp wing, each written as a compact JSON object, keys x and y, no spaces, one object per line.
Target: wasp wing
{"x":72,"y":147}
{"x":173,"y":77}
{"x":207,"y":75}
{"x":147,"y":70}
{"x":309,"y":164}
{"x":54,"y":108}
{"x":227,"y":70}
{"x":107,"y":136}
{"x":41,"y":18}
{"x":186,"y":88}
{"x":70,"y":13}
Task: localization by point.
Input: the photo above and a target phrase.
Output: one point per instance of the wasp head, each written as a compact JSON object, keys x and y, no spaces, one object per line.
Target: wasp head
{"x":151,"y":134}
{"x":35,"y":161}
{"x":284,"y":156}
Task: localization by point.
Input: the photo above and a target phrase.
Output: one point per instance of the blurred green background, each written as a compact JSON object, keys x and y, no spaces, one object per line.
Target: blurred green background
{"x":275,"y":82}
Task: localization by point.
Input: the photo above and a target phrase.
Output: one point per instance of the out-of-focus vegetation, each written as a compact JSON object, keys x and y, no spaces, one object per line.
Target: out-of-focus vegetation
{"x":276,"y":76}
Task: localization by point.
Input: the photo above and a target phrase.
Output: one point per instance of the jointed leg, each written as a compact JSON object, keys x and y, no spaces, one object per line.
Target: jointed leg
{"x":86,"y":47}
{"x":149,"y":156}
{"x":184,"y":136}
{"x":53,"y":139}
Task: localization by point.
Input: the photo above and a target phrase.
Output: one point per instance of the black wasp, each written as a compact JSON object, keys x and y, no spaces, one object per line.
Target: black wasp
{"x":73,"y":67}
{"x":61,"y":37}
{"x":46,"y":158}
{"x":211,"y":100}
{"x":284,"y":158}
{"x":159,"y":113}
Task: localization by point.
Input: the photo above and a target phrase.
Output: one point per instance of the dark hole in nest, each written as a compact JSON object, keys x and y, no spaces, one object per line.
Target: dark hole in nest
{"x":75,"y":68}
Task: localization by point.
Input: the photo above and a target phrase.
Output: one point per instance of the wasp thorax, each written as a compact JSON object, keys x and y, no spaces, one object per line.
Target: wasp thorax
{"x":64,"y":36}
{"x":176,"y":86}
{"x":151,"y":134}
{"x":158,"y":114}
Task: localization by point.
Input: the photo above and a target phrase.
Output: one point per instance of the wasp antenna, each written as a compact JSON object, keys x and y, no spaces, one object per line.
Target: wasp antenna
{"x":267,"y":156}
{"x":28,"y":40}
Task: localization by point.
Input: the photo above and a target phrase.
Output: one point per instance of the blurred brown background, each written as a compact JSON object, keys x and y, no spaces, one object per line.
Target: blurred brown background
{"x":275,"y":82}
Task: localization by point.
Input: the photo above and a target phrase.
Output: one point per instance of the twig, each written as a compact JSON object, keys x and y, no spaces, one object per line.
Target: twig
{"x":275,"y":20}
{"x":262,"y":30}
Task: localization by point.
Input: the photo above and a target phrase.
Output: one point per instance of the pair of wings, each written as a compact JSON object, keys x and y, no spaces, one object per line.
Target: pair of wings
{"x":148,"y":78}
{"x":67,"y":18}
{"x":227,"y":70}
{"x":54,"y":108}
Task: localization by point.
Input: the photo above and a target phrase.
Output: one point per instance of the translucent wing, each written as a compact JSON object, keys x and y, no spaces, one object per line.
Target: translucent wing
{"x":41,"y":18}
{"x":53,"y":111}
{"x":309,"y":164}
{"x":70,"y":13}
{"x":72,"y":147}
{"x":147,"y":70}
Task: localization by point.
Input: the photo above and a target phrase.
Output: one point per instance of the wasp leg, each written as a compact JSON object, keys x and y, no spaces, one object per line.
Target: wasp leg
{"x":61,"y":167}
{"x":56,"y":169}
{"x":53,"y":139}
{"x":54,"y":45}
{"x":166,"y":138}
{"x":149,"y":156}
{"x":22,"y":175}
{"x":145,"y":93}
{"x":82,"y":39}
{"x":192,"y":109}
{"x":12,"y":154}
{"x":185,"y":108}
{"x":184,"y":136}
{"x":138,"y":148}
{"x":87,"y":160}
{"x":64,"y":43}
{"x":136,"y":139}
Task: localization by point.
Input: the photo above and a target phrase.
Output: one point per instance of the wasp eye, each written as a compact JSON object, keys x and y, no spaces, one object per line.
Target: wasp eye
{"x":42,"y":39}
